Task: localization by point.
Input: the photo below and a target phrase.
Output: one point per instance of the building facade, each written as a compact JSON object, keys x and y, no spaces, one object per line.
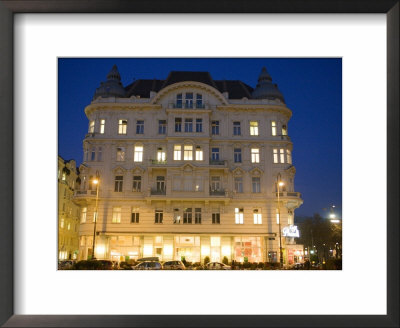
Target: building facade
{"x":187,"y":168}
{"x":68,"y":210}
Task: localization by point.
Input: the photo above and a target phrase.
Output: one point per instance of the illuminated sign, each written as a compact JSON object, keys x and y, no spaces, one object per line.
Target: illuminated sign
{"x":290,"y":231}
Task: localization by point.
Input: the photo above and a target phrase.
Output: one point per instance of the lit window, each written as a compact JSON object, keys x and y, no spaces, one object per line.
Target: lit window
{"x":138,"y":155}
{"x":199,"y":125}
{"x":119,"y":179}
{"x":189,"y":100}
{"x":275,"y":155}
{"x":257,"y":217}
{"x":284,"y":130}
{"x":188,"y":152}
{"x":255,"y":155}
{"x":253,"y":128}
{"x":236,"y":129}
{"x":197,"y":215}
{"x":177,"y":216}
{"x":62,"y":223}
{"x":93,"y":154}
{"x":178,"y":124}
{"x":121,"y":154}
{"x":215,"y":154}
{"x":239,"y":184}
{"x":215,"y":128}
{"x":116,"y":215}
{"x":277,"y":216}
{"x":177,"y":152}
{"x":137,"y":183}
{"x":289,"y":156}
{"x":215,"y":241}
{"x":237,"y":155}
{"x":162,"y":127}
{"x":69,"y":226}
{"x":188,"y":125}
{"x":255,"y":182}
{"x":161,"y":155}
{"x":122,"y":124}
{"x":199,"y":101}
{"x":199,"y":153}
{"x":83,"y":214}
{"x":139,"y":127}
{"x":91,"y":127}
{"x":179,"y":100}
{"x":135,"y":215}
{"x":215,"y":217}
{"x":102,"y":126}
{"x":158,"y":216}
{"x":187,"y":216}
{"x":282,"y":155}
{"x":273,"y":128}
{"x":238,"y":215}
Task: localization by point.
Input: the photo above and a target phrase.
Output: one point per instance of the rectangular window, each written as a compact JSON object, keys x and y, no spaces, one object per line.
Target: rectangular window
{"x":116,"y":215}
{"x":158,"y":216}
{"x":160,"y":183}
{"x":199,"y":153}
{"x":179,"y":101}
{"x":62,"y":221}
{"x":238,"y":215}
{"x":187,"y":216}
{"x":119,"y":179}
{"x":197,"y":215}
{"x":215,"y":128}
{"x":199,"y":101}
{"x":135,"y":215}
{"x":253,"y":128}
{"x":237,"y":155}
{"x":284,"y":130}
{"x":236,"y":129}
{"x":187,"y":152}
{"x":277,"y":216}
{"x":257,"y":217}
{"x":121,"y":154}
{"x":255,"y":155}
{"x":275,"y":151}
{"x":178,"y":124}
{"x":137,"y":183}
{"x":138,"y":154}
{"x":239,"y":184}
{"x":215,"y":154}
{"x":100,"y":154}
{"x":289,"y":156}
{"x":102,"y":126}
{"x":177,"y":152}
{"x":255,"y":183}
{"x":188,"y":125}
{"x":162,"y":127}
{"x":93,"y":154}
{"x":189,"y":100}
{"x":91,"y":127}
{"x":161,"y":155}
{"x":282,"y":155}
{"x":215,"y":183}
{"x":215,"y":217}
{"x":139,"y":127}
{"x":177,"y":216}
{"x":122,"y":125}
{"x":199,"y":125}
{"x":273,"y":128}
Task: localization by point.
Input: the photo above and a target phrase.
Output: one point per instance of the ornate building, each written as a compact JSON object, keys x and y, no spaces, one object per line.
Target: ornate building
{"x":68,"y":211}
{"x":187,"y":167}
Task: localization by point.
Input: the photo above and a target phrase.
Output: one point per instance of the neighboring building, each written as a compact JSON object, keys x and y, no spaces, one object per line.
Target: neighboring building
{"x":188,"y":168}
{"x":68,"y":211}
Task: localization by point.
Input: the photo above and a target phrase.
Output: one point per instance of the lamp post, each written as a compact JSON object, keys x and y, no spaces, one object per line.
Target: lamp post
{"x":279,"y":183}
{"x":96,"y":182}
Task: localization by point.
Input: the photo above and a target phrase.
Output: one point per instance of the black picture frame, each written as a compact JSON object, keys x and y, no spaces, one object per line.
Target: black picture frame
{"x":10,"y":7}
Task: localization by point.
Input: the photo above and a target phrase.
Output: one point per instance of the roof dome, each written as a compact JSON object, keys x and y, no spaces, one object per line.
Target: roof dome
{"x":112,"y":87}
{"x":265,"y":89}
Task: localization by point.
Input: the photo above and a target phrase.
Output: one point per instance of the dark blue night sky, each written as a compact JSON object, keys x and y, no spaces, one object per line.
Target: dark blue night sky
{"x":312,"y":89}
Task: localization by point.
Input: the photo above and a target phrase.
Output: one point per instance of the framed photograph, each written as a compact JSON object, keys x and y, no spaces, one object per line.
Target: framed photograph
{"x":102,"y":84}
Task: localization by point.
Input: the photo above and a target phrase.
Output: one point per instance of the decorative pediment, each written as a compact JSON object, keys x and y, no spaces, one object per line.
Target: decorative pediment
{"x":238,"y":171}
{"x":137,"y":170}
{"x":118,"y":170}
{"x":187,"y":167}
{"x":256,"y":171}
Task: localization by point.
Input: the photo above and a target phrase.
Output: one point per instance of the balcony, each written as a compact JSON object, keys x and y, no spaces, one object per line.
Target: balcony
{"x":157,"y":162}
{"x":85,"y":193}
{"x":288,"y":194}
{"x":217,"y":192}
{"x":217,"y":162}
{"x":157,"y":192}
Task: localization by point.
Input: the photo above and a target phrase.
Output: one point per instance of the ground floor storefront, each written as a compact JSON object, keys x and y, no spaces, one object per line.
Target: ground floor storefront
{"x":191,"y":248}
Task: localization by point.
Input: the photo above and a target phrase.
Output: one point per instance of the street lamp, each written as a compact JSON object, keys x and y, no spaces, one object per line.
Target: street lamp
{"x":97,"y":183}
{"x":279,"y":183}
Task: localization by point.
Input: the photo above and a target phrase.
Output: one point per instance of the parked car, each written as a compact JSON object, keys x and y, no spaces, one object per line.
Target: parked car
{"x":124,"y":266}
{"x":217,"y":266}
{"x":106,"y":265}
{"x":148,"y":265}
{"x":65,"y":265}
{"x":174,"y":265}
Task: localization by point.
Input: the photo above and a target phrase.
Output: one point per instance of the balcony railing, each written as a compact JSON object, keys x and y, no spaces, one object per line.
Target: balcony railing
{"x":288,"y":194}
{"x":217,"y":192}
{"x":157,"y":192}
{"x":217,"y":162}
{"x":157,"y":162}
{"x":187,"y":106}
{"x":86,"y":192}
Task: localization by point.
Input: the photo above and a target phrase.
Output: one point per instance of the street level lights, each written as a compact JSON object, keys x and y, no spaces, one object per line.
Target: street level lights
{"x":279,"y":183}
{"x":96,"y":182}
